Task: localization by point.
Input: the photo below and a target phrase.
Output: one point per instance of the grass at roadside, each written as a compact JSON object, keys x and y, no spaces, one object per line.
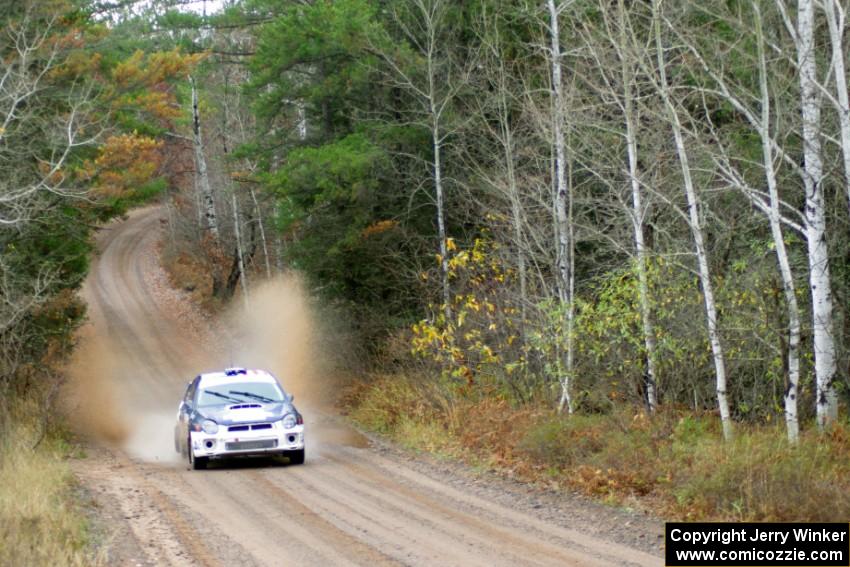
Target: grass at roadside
{"x":675,"y":463}
{"x":41,"y":522}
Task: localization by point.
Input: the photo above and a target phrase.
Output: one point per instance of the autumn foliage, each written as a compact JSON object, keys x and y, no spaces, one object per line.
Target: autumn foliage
{"x":124,"y":163}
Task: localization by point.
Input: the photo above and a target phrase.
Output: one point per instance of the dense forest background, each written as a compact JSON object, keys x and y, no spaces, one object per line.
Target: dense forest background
{"x":586,"y":206}
{"x":648,"y":230}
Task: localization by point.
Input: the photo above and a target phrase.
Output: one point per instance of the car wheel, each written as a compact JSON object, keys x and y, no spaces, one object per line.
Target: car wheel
{"x":296,"y":457}
{"x":195,"y":463}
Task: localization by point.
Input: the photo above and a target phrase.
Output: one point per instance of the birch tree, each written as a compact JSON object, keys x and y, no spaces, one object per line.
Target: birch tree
{"x":562,"y":204}
{"x":812,"y":224}
{"x":240,"y":250}
{"x":815,"y":214}
{"x":424,"y":27}
{"x":201,"y":175}
{"x":836,"y":23}
{"x":774,"y":215}
{"x":638,"y":210}
{"x":695,"y":225}
{"x":772,"y":207}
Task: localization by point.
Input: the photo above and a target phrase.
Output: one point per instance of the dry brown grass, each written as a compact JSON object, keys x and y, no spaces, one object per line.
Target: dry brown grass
{"x":40,"y":522}
{"x":674,"y":463}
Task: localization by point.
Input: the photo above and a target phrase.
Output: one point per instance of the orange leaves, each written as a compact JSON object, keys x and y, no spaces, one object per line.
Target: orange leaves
{"x":158,"y":103}
{"x":130,"y":72}
{"x":141,"y":81}
{"x":124,"y":163}
{"x":378,"y":228}
{"x":149,"y":71}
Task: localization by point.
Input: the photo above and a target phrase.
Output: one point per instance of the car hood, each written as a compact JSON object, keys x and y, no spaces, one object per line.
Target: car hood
{"x":246,"y":413}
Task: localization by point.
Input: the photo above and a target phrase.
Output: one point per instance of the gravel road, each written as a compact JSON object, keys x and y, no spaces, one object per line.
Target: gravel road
{"x":355,"y":501}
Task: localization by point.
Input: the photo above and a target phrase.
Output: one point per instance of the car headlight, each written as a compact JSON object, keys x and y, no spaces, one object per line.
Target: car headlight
{"x":289,"y":421}
{"x":209,"y":426}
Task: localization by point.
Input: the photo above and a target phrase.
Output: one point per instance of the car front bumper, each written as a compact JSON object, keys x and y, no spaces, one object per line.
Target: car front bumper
{"x":226,"y":444}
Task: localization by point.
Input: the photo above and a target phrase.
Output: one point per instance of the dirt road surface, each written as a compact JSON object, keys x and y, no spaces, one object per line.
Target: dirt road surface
{"x":353,"y":503}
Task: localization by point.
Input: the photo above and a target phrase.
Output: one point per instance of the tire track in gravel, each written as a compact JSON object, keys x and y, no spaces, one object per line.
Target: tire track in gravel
{"x":507,"y":542}
{"x":346,"y":506}
{"x":326,"y":528}
{"x":349,"y":485}
{"x":503,"y":523}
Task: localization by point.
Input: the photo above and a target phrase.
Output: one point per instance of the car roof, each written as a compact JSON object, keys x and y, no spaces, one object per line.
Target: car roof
{"x":235,"y":376}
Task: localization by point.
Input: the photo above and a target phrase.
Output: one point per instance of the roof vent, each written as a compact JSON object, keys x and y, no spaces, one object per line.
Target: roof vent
{"x":235,"y":371}
{"x":244,"y":406}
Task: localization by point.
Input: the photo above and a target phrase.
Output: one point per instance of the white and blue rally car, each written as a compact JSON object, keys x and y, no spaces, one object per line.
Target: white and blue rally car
{"x":237,"y":413}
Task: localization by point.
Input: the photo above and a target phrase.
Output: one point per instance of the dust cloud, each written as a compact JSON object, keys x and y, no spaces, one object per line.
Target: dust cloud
{"x":109,"y":399}
{"x":126,"y":378}
{"x":277,"y":330}
{"x":281,"y":330}
{"x":90,"y":398}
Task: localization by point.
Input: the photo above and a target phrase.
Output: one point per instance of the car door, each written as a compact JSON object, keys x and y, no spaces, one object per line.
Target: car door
{"x":184,"y":413}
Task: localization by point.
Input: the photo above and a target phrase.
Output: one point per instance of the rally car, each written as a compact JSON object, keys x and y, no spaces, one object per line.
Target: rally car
{"x":237,"y":413}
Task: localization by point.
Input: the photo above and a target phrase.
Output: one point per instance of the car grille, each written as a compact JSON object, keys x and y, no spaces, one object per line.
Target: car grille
{"x":252,"y":427}
{"x":250,"y":445}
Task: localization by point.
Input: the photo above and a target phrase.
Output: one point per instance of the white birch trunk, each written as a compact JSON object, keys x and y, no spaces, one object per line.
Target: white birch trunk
{"x":819,"y":281}
{"x":697,"y":234}
{"x":571,"y":306}
{"x":562,"y":228}
{"x":261,"y":226}
{"x":637,"y":215}
{"x":835,"y":18}
{"x":302,"y":120}
{"x":199,"y":206}
{"x":206,"y":193}
{"x":441,"y":221}
{"x":240,"y":253}
{"x":792,"y":387}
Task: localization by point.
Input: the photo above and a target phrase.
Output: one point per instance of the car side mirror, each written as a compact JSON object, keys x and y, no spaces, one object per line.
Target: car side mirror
{"x":289,"y":398}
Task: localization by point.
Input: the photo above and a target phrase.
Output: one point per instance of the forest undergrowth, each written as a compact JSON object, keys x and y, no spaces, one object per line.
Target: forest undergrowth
{"x":674,"y":464}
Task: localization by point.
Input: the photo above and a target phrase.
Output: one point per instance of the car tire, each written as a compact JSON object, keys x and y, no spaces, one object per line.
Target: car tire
{"x":296,"y":457}
{"x":195,"y":463}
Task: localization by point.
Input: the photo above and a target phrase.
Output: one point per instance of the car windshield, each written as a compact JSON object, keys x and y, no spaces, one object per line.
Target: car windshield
{"x":240,"y":393}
